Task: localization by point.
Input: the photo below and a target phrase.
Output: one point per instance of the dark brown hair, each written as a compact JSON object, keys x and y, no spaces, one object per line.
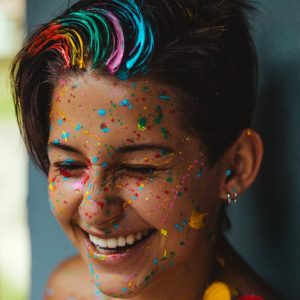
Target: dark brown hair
{"x":203,"y":47}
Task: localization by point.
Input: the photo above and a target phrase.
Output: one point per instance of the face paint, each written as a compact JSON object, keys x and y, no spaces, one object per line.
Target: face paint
{"x":137,"y":205}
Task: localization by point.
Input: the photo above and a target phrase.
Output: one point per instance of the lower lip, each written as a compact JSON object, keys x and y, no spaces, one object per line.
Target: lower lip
{"x":128,"y":256}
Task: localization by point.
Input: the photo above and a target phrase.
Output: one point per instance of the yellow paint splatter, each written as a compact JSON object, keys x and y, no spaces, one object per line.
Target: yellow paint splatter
{"x":51,"y":187}
{"x":164,"y":232}
{"x":165,"y":253}
{"x":197,"y":220}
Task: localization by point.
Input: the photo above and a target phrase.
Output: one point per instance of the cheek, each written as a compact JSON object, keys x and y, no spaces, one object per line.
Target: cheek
{"x":65,"y":195}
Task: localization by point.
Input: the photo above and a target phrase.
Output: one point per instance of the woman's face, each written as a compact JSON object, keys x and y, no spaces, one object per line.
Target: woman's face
{"x":128,"y":185}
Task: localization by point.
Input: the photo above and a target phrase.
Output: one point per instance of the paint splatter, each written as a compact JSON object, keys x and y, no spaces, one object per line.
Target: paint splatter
{"x":102,"y":112}
{"x":200,"y":173}
{"x":164,"y":97}
{"x":104,"y":128}
{"x":164,"y":232}
{"x":159,"y":115}
{"x":65,"y":135}
{"x":125,"y":103}
{"x":165,"y":133}
{"x":197,"y":220}
{"x":94,"y":159}
{"x":142,"y":123}
{"x":228,"y":172}
{"x":78,"y":127}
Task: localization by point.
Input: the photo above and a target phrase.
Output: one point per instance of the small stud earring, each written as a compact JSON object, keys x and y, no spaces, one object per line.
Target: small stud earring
{"x":231,"y":199}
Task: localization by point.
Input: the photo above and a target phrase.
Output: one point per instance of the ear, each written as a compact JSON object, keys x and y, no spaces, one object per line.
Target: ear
{"x":241,"y":163}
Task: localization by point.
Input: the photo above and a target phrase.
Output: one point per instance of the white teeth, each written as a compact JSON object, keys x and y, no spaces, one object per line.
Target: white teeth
{"x":138,"y":236}
{"x":112,"y":243}
{"x":130,"y":239}
{"x":120,"y":241}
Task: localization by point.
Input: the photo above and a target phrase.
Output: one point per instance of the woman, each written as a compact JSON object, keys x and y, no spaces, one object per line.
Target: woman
{"x":139,"y":114}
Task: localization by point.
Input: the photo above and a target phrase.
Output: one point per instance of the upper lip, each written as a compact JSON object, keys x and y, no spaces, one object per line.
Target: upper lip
{"x":112,"y":235}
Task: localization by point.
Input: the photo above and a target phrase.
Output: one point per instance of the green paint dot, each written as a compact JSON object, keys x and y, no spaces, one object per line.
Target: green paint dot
{"x":159,"y":115}
{"x":165,"y":132}
{"x":169,"y":179}
{"x":142,"y":123}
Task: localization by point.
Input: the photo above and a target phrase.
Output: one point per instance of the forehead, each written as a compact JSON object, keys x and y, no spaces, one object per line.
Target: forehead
{"x":90,"y":107}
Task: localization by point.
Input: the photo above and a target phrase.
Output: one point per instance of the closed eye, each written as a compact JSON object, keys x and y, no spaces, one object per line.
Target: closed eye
{"x":70,"y":169}
{"x":137,"y":170}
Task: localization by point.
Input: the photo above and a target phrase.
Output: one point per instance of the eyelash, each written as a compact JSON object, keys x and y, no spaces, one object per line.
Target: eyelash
{"x":65,"y":169}
{"x":139,"y":171}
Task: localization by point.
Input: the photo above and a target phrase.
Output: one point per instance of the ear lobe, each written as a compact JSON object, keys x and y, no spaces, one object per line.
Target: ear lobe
{"x":243,"y":159}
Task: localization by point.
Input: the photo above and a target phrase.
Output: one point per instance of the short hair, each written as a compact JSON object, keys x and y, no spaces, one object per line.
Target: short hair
{"x":202,"y":47}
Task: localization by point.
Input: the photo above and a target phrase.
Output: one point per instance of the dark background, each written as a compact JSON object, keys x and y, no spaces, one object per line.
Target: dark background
{"x":266,"y":220}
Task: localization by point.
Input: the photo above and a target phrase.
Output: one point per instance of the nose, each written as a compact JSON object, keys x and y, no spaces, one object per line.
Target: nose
{"x":101,"y":205}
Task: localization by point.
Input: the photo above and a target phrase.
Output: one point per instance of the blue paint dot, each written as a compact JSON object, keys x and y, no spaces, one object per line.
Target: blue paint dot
{"x":60,"y":122}
{"x":228,"y":172}
{"x":155,"y":261}
{"x":92,"y":269}
{"x":104,"y":164}
{"x":124,"y":102}
{"x":102,"y":112}
{"x":56,"y":142}
{"x":94,"y":159}
{"x":105,"y":130}
{"x":65,"y":135}
{"x":164,"y":97}
{"x":78,"y":127}
{"x":124,"y":289}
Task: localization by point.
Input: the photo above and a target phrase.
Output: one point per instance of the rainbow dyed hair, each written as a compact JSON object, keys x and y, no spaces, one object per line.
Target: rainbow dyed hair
{"x":201,"y":47}
{"x":96,"y":36}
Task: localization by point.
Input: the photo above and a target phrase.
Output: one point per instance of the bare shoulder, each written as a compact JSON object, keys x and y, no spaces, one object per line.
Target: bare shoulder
{"x":70,"y":279}
{"x":236,"y":272}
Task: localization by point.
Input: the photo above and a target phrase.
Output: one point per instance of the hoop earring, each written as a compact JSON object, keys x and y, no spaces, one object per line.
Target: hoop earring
{"x":231,"y":199}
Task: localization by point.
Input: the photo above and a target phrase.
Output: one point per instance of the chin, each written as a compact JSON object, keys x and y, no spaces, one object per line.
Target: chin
{"x":120,"y":271}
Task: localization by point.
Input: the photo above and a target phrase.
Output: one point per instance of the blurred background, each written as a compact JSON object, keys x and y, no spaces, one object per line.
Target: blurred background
{"x":266,"y":220}
{"x":14,"y":231}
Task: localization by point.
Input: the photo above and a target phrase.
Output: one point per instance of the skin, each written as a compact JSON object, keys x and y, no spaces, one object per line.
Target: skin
{"x":176,"y":194}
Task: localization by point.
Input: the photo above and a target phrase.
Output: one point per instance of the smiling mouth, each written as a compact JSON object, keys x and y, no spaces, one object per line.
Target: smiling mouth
{"x":119,"y":244}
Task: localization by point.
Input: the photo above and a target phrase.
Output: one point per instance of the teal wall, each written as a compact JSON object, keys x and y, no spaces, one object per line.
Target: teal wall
{"x":266,"y":220}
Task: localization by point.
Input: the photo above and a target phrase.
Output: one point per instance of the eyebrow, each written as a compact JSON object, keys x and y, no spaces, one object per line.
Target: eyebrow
{"x":143,"y":147}
{"x":123,"y":149}
{"x":64,"y":147}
